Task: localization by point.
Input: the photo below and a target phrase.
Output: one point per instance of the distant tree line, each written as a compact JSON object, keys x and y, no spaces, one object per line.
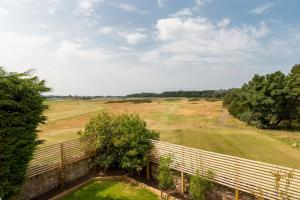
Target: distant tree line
{"x":189,"y":94}
{"x":77,"y":97}
{"x":269,"y":101}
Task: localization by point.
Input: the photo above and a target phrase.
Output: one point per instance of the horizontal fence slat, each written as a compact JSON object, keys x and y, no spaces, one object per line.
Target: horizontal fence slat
{"x":54,"y":156}
{"x":238,"y":173}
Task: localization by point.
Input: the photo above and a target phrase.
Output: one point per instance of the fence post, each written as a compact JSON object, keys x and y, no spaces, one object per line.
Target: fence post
{"x":236,"y":194}
{"x":62,"y":165}
{"x":147,"y":169}
{"x":182,"y":183}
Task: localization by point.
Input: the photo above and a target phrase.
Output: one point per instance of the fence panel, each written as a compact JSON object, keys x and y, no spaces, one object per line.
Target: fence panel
{"x":238,"y":173}
{"x":56,"y":156}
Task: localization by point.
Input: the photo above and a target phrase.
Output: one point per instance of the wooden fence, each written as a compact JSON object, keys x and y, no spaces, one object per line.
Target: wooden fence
{"x":57,"y":156}
{"x":241,"y":174}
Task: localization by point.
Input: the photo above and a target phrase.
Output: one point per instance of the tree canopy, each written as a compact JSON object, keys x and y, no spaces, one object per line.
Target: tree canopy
{"x":121,"y":140}
{"x":21,"y":108}
{"x":268,"y":101}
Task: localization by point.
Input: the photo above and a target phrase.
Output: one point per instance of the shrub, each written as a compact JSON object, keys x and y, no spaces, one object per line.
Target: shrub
{"x":121,"y":140}
{"x":165,"y":176}
{"x":21,"y":108}
{"x":200,"y":185}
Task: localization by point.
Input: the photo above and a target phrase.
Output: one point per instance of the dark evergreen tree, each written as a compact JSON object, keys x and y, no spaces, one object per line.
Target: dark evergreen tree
{"x":21,"y":108}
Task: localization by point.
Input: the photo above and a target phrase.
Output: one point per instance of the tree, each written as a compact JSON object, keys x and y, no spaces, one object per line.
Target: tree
{"x":21,"y":111}
{"x":121,"y":140}
{"x":269,"y":101}
{"x":293,"y":98}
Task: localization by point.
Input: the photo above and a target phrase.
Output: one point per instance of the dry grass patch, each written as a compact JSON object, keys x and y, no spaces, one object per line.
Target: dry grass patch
{"x":201,"y":124}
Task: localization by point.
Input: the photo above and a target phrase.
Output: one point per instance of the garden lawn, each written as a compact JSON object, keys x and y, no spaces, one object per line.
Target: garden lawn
{"x":111,"y":190}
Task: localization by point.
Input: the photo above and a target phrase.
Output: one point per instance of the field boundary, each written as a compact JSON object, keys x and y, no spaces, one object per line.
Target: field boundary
{"x":245,"y":175}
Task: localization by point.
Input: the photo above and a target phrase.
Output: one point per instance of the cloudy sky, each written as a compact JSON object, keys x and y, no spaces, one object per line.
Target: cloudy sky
{"x":114,"y":47}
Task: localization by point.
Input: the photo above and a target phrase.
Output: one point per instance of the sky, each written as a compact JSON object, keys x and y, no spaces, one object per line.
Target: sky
{"x":114,"y":47}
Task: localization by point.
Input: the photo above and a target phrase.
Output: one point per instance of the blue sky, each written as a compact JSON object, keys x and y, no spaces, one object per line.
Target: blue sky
{"x":114,"y":47}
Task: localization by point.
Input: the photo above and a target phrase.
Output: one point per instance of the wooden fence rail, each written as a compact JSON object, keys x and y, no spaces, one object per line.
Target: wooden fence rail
{"x":57,"y":156}
{"x":242,"y":174}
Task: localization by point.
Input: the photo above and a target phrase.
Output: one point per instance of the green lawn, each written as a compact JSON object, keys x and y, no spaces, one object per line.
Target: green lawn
{"x":201,"y":124}
{"x":111,"y":190}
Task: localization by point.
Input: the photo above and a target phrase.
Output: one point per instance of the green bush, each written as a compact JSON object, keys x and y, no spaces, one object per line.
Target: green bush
{"x":21,"y":108}
{"x":121,"y":140}
{"x":165,"y":176}
{"x":200,"y":185}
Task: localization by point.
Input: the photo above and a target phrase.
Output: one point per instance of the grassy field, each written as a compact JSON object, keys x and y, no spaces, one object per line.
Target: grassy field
{"x":200,"y":124}
{"x":111,"y":190}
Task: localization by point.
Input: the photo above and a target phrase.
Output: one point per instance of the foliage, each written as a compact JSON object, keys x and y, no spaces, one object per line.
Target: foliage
{"x":121,"y":140}
{"x":282,"y":192}
{"x":21,"y":108}
{"x":258,"y":194}
{"x":269,"y":101}
{"x":190,"y":94}
{"x":165,"y":176}
{"x":200,"y":185}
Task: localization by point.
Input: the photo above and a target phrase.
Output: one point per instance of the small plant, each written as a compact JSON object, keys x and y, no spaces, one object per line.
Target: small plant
{"x":282,"y":194}
{"x":259,"y":194}
{"x":165,"y":176}
{"x":200,"y":185}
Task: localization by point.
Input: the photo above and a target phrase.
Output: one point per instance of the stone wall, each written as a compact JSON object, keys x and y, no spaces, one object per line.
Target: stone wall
{"x":219,"y":192}
{"x":51,"y":180}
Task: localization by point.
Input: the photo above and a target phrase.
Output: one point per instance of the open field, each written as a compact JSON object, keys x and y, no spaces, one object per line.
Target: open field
{"x":200,"y":124}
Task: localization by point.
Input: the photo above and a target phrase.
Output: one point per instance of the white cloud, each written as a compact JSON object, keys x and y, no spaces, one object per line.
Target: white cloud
{"x":223,"y":23}
{"x":42,"y":26}
{"x":201,"y":3}
{"x":87,"y":7}
{"x":16,"y":48}
{"x":200,"y":40}
{"x":106,"y":30}
{"x":129,"y":8}
{"x":4,"y":12}
{"x":183,"y":12}
{"x":160,"y":3}
{"x":133,"y":38}
{"x":76,"y":50}
{"x":51,"y":11}
{"x":262,"y":8}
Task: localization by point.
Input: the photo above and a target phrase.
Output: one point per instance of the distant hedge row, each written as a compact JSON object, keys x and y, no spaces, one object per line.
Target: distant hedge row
{"x":189,"y":94}
{"x":269,"y":101}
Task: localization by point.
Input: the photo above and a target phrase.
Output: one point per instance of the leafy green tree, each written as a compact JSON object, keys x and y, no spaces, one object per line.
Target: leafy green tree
{"x":121,"y":140}
{"x":200,"y":185}
{"x":269,"y":101}
{"x":293,"y":98}
{"x":21,"y":108}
